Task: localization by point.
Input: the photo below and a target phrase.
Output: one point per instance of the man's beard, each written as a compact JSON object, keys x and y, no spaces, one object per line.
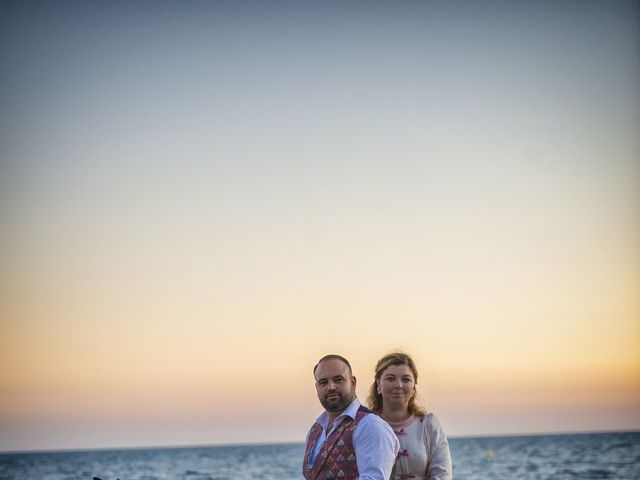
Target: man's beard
{"x":336,"y":404}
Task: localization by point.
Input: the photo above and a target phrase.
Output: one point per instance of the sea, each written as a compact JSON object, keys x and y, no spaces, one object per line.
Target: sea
{"x":540,"y":457}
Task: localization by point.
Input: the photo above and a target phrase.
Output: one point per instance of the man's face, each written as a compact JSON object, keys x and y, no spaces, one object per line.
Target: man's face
{"x":335,"y":385}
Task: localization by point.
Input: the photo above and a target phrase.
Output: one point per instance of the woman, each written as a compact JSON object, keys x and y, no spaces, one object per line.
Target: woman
{"x":424,"y":449}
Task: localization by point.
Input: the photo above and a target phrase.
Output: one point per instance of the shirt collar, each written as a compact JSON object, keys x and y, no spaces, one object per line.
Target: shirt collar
{"x":350,"y":411}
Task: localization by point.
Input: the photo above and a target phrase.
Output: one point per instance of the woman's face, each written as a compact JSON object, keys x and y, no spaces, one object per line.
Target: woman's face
{"x":396,"y":385}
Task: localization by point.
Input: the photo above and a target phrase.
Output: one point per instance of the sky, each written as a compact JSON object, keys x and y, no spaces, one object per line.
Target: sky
{"x":198,"y":200}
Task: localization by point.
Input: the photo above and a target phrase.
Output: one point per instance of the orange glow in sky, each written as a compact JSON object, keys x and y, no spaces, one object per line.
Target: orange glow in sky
{"x":197,"y":204}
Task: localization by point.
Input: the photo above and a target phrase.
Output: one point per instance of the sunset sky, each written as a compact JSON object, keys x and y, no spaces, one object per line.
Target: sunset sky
{"x":200,"y":199}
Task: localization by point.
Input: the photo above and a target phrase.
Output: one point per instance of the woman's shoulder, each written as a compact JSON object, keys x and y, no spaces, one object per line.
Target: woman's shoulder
{"x":430,"y":422}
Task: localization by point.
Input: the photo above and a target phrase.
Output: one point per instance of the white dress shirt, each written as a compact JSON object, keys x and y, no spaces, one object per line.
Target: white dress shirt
{"x":375,"y":444}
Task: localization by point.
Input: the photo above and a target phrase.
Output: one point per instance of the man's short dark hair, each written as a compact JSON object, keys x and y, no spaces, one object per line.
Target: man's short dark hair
{"x":332,"y":356}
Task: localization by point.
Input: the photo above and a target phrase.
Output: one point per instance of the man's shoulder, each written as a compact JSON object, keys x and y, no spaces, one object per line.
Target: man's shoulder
{"x":362,"y":410}
{"x":371,"y":421}
{"x":376,"y":433}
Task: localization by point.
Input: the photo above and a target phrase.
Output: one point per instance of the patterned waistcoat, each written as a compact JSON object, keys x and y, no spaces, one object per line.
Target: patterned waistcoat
{"x":336,"y":457}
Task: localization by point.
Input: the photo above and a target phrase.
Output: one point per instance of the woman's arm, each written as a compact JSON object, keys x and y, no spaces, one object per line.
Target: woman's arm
{"x":439,"y":464}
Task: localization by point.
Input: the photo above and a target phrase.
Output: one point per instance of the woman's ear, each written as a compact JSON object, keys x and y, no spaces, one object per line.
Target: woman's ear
{"x":378,"y":387}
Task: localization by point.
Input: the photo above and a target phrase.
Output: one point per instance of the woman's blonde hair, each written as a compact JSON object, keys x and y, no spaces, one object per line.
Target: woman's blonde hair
{"x":374,"y":400}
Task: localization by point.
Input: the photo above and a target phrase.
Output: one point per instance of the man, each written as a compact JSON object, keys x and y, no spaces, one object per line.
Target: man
{"x":347,"y":441}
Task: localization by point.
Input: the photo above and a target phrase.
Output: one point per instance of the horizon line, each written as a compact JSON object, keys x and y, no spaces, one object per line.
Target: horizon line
{"x":263,"y":444}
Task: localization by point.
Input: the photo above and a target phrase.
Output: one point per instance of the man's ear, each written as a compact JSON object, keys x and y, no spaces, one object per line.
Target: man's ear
{"x":353,"y":380}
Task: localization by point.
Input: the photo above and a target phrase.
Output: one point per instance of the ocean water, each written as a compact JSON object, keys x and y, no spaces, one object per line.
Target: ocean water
{"x":554,"y":457}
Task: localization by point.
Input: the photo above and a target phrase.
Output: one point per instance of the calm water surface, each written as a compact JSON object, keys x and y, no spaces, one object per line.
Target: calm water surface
{"x":553,"y":457}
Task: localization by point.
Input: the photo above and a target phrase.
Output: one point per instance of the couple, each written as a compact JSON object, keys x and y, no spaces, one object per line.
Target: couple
{"x":396,"y":439}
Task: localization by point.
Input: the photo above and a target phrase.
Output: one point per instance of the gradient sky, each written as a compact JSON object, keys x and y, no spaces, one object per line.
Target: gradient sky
{"x":200,"y":199}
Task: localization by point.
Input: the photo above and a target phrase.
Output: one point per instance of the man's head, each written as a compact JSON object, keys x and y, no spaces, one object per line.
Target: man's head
{"x":335,"y":384}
